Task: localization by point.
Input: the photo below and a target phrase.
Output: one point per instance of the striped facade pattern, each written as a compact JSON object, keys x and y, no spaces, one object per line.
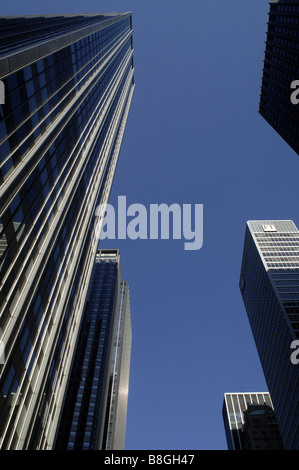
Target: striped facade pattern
{"x":69,"y":82}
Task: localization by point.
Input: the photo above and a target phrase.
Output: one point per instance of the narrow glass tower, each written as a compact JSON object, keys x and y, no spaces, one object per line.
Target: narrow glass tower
{"x":68,"y":83}
{"x":269,"y":284}
{"x":95,"y":410}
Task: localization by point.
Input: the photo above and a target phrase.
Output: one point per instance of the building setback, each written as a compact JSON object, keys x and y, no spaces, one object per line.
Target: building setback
{"x":281,"y":69}
{"x":69,"y":81}
{"x":250,"y":422}
{"x":94,"y":415}
{"x":269,"y":284}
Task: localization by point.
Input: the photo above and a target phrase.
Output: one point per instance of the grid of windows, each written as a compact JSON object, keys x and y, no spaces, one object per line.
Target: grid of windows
{"x":96,"y":335}
{"x":281,"y":250}
{"x":39,"y":92}
{"x":269,"y":290}
{"x":29,"y":29}
{"x":90,"y":416}
{"x":61,"y":130}
{"x":281,"y":68}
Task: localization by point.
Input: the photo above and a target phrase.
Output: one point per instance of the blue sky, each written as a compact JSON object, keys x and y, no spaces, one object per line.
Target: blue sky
{"x":194,"y":136}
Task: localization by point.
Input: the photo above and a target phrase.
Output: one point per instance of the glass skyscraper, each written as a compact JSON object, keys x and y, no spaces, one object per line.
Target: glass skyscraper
{"x":269,"y":284}
{"x":281,"y":69}
{"x":68,"y":83}
{"x":94,"y":415}
{"x":235,"y":410}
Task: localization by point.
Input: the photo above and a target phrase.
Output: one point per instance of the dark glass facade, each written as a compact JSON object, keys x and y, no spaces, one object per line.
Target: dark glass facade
{"x":281,"y":68}
{"x":68,"y":82}
{"x":94,"y":415}
{"x":269,"y":284}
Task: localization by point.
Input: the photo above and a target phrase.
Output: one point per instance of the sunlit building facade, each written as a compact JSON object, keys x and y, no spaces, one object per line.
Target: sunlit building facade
{"x":68,"y":83}
{"x":95,"y":410}
{"x":269,"y":284}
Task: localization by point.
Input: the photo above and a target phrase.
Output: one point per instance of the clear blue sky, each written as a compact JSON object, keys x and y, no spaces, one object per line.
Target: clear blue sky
{"x":193,"y":136}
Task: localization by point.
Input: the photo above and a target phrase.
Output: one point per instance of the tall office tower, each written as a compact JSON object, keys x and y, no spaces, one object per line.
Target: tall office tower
{"x":94,"y":415}
{"x":68,"y":82}
{"x":250,"y":422}
{"x":269,"y":284}
{"x":281,"y":69}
